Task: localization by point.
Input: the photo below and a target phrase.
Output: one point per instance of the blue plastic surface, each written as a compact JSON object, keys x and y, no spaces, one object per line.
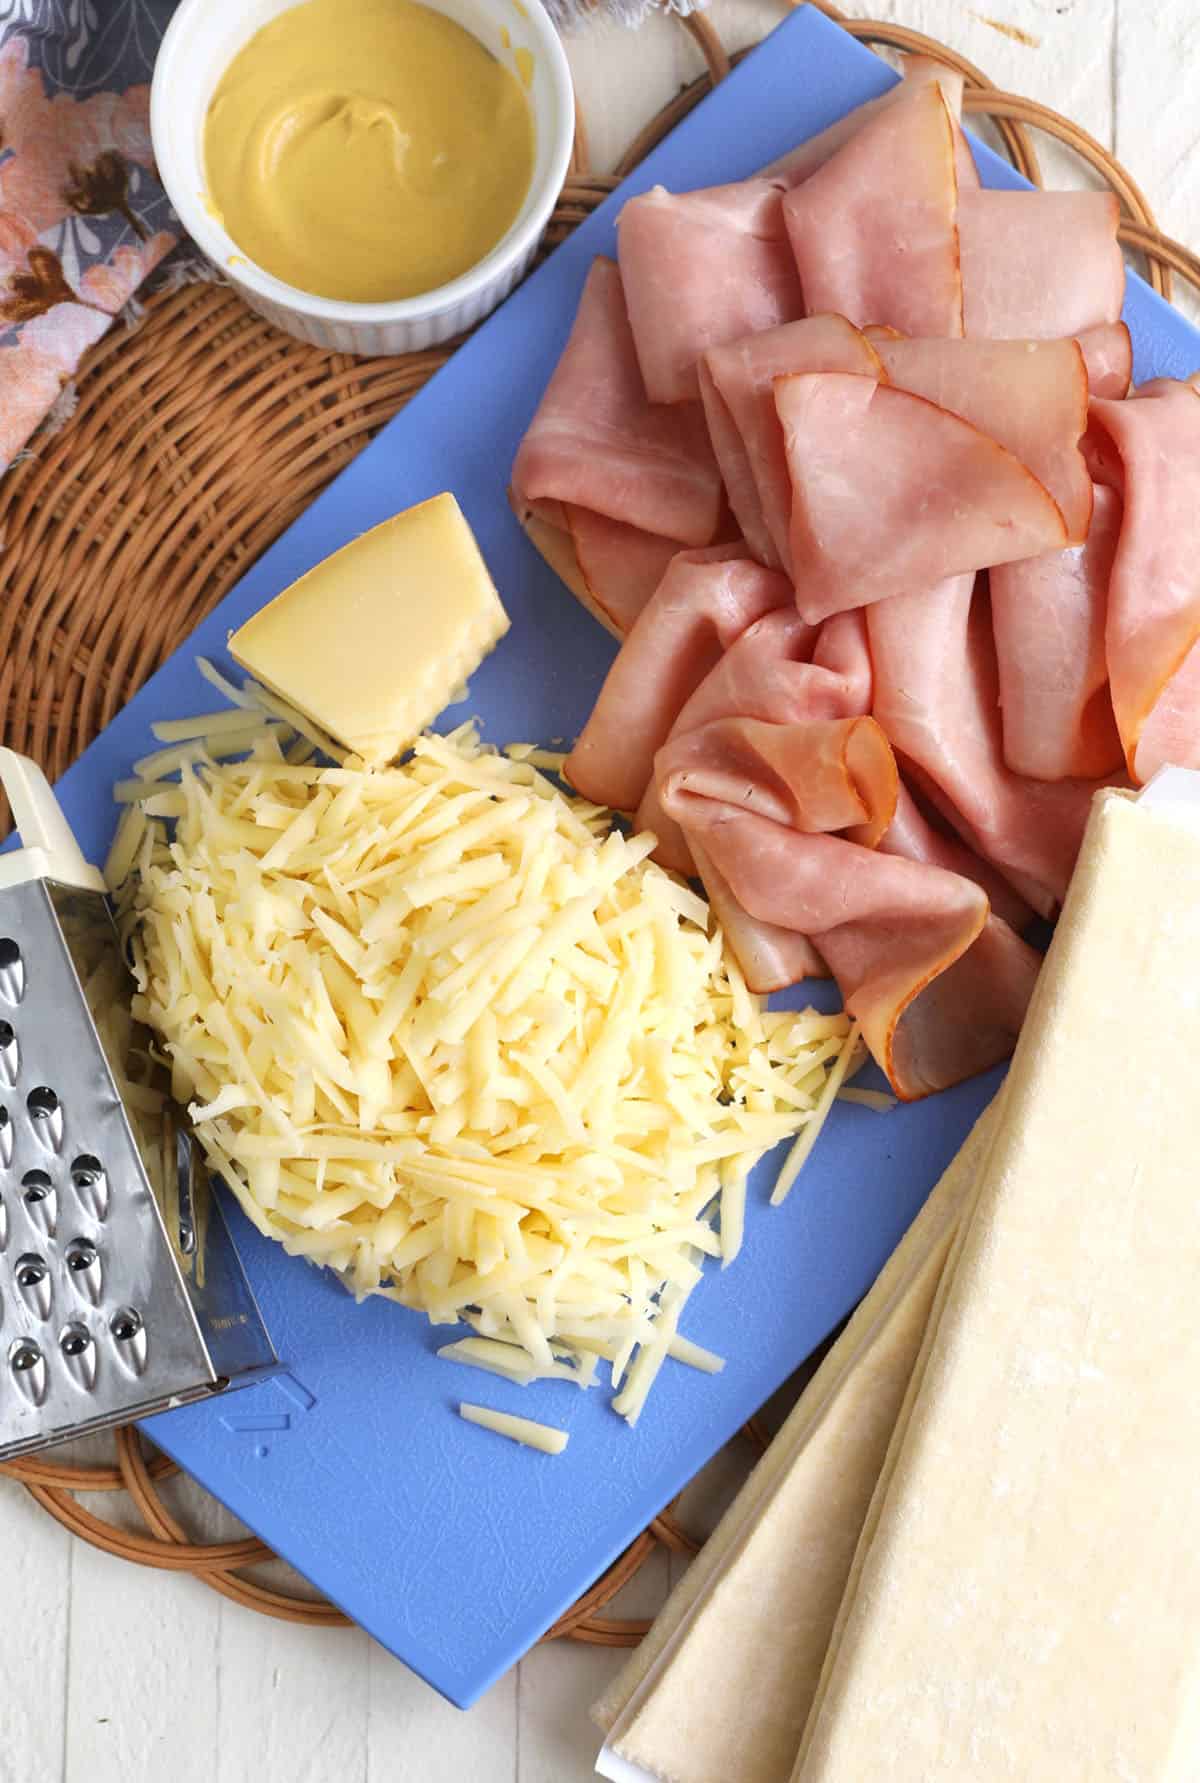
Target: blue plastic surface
{"x":454,"y":1548}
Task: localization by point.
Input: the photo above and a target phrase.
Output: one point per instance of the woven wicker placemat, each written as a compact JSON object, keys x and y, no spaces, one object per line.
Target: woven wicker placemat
{"x":196,"y":439}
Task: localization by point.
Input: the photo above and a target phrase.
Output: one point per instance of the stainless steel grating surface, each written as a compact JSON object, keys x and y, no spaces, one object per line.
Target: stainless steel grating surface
{"x":120,"y":1291}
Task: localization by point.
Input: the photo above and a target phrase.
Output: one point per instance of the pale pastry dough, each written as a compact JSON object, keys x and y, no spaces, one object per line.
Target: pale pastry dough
{"x":720,"y":1690}
{"x":1025,"y":1603}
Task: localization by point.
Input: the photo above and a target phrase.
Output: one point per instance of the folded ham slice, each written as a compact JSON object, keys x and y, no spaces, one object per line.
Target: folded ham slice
{"x":940,"y":990}
{"x":891,"y":493}
{"x":598,"y":443}
{"x":917,"y":837}
{"x":1030,"y":395}
{"x":705,"y":601}
{"x":1039,"y":265}
{"x":1150,"y":448}
{"x":782,"y":669}
{"x":779,"y":671}
{"x":1171,"y":733}
{"x":827,"y":775}
{"x":1048,"y":616}
{"x":1108,"y":357}
{"x":936,"y":688}
{"x":770,"y":957}
{"x":737,"y":385}
{"x":886,"y":200}
{"x":611,"y":569}
{"x":918,"y":71}
{"x":699,"y":269}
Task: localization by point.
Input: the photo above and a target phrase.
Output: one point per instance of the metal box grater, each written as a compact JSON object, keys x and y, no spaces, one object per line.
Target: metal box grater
{"x":121,"y":1292}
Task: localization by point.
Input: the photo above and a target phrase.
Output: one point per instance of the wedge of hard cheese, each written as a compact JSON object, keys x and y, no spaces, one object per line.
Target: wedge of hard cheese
{"x":1025,"y":1600}
{"x":720,"y":1690}
{"x":378,"y":638}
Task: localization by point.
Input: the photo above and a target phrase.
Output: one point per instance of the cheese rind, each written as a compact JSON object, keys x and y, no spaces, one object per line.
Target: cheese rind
{"x":377,"y":639}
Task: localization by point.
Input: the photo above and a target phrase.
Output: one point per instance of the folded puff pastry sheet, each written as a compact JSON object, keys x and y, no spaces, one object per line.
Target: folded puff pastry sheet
{"x":1025,"y":1599}
{"x":720,"y":1690}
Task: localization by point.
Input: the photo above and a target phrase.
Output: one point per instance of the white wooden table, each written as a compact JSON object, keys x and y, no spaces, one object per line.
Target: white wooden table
{"x":113,"y":1674}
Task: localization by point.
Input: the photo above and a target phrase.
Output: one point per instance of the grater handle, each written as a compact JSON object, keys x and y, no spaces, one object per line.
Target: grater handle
{"x":48,"y":847}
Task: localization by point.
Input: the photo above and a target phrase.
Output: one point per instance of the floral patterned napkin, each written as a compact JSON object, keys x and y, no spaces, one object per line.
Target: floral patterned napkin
{"x":83,"y":219}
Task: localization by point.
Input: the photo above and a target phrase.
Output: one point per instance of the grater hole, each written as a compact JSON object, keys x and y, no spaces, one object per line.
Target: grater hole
{"x":12,"y":970}
{"x":32,"y":1277}
{"x":6,"y":1136}
{"x":7,"y":1034}
{"x":41,"y":1201}
{"x":79,"y":1354}
{"x":28,"y":1367}
{"x":10,"y":1057}
{"x":84,"y":1268}
{"x":126,"y":1323}
{"x":90,"y":1184}
{"x":45,"y":1111}
{"x":129,"y":1333}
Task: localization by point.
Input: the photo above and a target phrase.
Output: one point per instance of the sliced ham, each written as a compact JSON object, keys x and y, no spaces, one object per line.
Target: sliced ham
{"x":782,"y":670}
{"x":705,"y":601}
{"x":1048,"y":616}
{"x":833,"y":776}
{"x":1150,"y":448}
{"x":936,"y":690}
{"x":1030,"y":395}
{"x":611,"y":569}
{"x":1039,"y":265}
{"x":699,"y":269}
{"x":918,"y":71}
{"x":916,"y":836}
{"x":770,"y":957}
{"x":737,"y":385}
{"x":597,"y":442}
{"x":1171,"y":733}
{"x":891,"y":930}
{"x":891,"y":493}
{"x":886,"y":200}
{"x":779,"y":671}
{"x":1108,"y":356}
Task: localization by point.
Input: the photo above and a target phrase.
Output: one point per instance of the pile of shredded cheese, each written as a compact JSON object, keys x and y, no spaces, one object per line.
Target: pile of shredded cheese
{"x":445,"y":1030}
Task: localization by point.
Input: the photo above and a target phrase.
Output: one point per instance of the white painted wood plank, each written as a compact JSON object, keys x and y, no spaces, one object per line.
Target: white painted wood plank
{"x":413,"y":1736}
{"x":1158,"y":119}
{"x":560,"y":1680}
{"x":35,"y":1564}
{"x":142,"y":1691}
{"x":292,"y":1701}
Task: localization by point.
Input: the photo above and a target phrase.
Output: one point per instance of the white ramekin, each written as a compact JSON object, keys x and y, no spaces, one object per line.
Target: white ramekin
{"x":201,"y":40}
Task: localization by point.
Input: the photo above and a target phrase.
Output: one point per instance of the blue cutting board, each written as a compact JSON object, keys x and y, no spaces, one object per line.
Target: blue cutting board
{"x":454,"y":1548}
